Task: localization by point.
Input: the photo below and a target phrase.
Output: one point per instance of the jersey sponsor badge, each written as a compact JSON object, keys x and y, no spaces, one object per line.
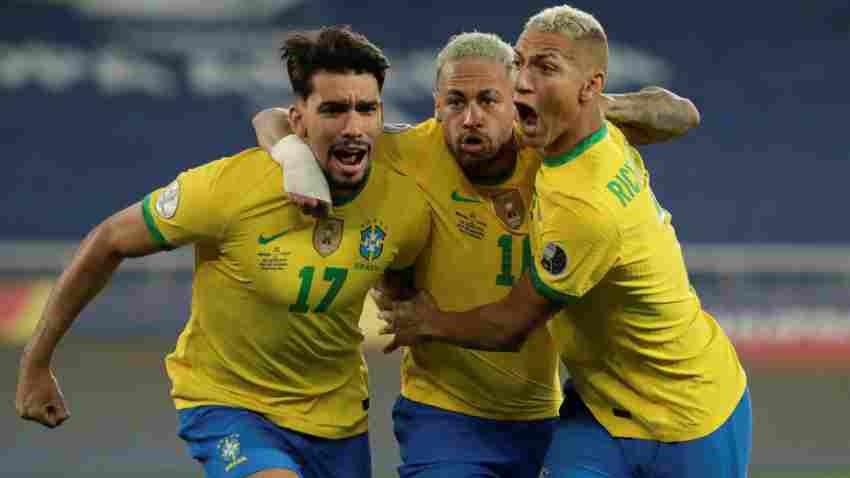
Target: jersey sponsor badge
{"x":554,"y":258}
{"x":169,"y":199}
{"x":327,"y":235}
{"x":509,"y":208}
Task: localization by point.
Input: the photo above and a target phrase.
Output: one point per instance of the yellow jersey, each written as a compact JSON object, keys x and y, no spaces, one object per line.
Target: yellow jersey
{"x":276,"y":294}
{"x":474,"y":256}
{"x":645,"y":357}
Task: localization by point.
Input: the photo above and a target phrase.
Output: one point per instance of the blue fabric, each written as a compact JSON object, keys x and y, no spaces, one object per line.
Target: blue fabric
{"x":235,"y":443}
{"x":440,"y":443}
{"x":582,"y":448}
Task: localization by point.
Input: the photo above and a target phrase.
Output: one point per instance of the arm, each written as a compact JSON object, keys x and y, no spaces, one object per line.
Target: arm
{"x":652,"y":115}
{"x":500,"y":326}
{"x":122,"y":235}
{"x":270,"y":126}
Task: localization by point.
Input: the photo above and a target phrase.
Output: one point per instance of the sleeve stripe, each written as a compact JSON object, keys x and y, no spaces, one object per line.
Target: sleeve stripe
{"x":548,"y":292}
{"x":151,"y":223}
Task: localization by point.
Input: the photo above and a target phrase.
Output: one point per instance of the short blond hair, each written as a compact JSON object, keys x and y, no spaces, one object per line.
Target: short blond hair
{"x":575,"y":24}
{"x":487,"y":46}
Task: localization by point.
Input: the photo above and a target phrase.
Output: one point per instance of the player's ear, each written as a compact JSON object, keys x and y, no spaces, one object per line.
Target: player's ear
{"x":296,"y":118}
{"x":593,"y":87}
{"x":437,"y":109}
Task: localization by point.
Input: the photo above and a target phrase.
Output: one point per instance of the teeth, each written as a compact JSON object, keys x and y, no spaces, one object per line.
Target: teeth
{"x":349,"y":157}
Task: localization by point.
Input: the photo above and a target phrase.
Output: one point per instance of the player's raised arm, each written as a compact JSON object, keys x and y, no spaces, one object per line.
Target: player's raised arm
{"x":651,"y":115}
{"x":499,"y":326}
{"x":124,"y":234}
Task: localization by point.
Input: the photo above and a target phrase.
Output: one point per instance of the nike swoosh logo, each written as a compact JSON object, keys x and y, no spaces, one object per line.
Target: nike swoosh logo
{"x":265,"y":240}
{"x":458,"y":198}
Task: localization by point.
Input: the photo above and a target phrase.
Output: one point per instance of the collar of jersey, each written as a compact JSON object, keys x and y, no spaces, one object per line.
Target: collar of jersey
{"x":346,"y":200}
{"x":581,"y":147}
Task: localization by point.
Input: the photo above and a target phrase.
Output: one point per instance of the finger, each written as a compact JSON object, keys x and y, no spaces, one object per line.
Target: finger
{"x":404,"y":309}
{"x":62,"y":413}
{"x":392,"y":346}
{"x":322,"y":209}
{"x":381,"y":299}
{"x":387,"y":316}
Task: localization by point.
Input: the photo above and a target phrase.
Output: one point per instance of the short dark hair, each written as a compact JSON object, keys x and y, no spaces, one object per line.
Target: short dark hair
{"x":335,"y":49}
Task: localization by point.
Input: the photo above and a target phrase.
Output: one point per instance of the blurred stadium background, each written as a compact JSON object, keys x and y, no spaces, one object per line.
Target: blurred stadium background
{"x":104,"y":100}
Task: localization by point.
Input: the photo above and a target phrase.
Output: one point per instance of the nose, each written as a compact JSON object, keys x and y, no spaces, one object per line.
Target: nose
{"x":523,"y":84}
{"x":472,"y":118}
{"x":354,"y":125}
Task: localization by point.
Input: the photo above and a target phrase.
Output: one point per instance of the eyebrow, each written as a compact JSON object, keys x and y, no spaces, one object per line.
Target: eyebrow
{"x":549,"y":53}
{"x":489,"y":92}
{"x":346,"y":105}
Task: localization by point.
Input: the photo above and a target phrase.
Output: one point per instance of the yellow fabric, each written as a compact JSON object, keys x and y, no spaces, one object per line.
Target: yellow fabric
{"x":276,"y":295}
{"x":473,"y":258}
{"x":646,"y":358}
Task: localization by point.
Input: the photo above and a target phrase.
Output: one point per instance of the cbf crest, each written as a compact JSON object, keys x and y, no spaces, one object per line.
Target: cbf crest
{"x":327,"y":235}
{"x":372,"y":236}
{"x":509,"y":207}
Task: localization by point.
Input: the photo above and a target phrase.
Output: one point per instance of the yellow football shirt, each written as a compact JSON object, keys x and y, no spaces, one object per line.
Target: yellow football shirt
{"x":645,"y":357}
{"x":277,"y":295}
{"x":474,"y":256}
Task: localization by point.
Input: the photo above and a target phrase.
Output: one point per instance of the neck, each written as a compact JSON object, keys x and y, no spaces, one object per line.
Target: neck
{"x":588,"y":122}
{"x":495,"y":168}
{"x":342,"y":194}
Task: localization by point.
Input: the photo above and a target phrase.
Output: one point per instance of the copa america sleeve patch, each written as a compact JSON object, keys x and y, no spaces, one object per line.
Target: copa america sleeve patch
{"x":169,"y":199}
{"x":553,"y":259}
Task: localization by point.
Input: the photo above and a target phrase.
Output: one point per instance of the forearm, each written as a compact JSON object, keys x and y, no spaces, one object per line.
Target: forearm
{"x":489,"y":327}
{"x":651,"y":115}
{"x":88,"y":273}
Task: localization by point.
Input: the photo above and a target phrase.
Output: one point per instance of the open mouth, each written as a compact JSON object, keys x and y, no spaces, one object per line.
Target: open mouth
{"x":528,"y":118}
{"x":472,"y":143}
{"x":349,"y":159}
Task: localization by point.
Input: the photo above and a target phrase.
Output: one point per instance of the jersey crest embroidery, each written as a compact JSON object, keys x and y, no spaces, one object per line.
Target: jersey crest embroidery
{"x":509,"y":207}
{"x":372,"y":238}
{"x":327,"y":235}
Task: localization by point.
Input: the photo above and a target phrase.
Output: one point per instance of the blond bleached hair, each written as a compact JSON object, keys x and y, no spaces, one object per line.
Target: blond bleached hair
{"x":575,"y":24}
{"x":487,"y":46}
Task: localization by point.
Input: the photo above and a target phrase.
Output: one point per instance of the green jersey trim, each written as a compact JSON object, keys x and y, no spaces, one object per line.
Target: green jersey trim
{"x":543,"y":289}
{"x":580,"y":148}
{"x":151,"y":223}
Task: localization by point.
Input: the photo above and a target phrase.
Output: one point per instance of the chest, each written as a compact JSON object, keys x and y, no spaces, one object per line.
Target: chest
{"x":311,"y":265}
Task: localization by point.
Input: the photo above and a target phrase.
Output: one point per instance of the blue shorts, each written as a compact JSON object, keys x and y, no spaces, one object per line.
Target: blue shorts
{"x":582,"y":448}
{"x":235,"y":443}
{"x":439,"y":443}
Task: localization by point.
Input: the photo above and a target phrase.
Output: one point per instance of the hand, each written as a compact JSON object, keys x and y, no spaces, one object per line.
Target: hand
{"x":270,"y":126}
{"x":311,"y":206}
{"x":382,"y":299}
{"x":411,"y":321}
{"x":38,"y":397}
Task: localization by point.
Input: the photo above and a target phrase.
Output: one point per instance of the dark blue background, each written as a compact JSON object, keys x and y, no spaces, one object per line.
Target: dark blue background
{"x":768,"y":164}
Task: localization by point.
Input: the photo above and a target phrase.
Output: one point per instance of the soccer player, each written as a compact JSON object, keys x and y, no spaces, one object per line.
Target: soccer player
{"x":268,"y":376}
{"x":657,"y":389}
{"x":466,"y":413}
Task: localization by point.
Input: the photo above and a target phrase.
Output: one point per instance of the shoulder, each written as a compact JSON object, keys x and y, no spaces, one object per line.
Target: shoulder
{"x":240,"y":169}
{"x":404,"y":144}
